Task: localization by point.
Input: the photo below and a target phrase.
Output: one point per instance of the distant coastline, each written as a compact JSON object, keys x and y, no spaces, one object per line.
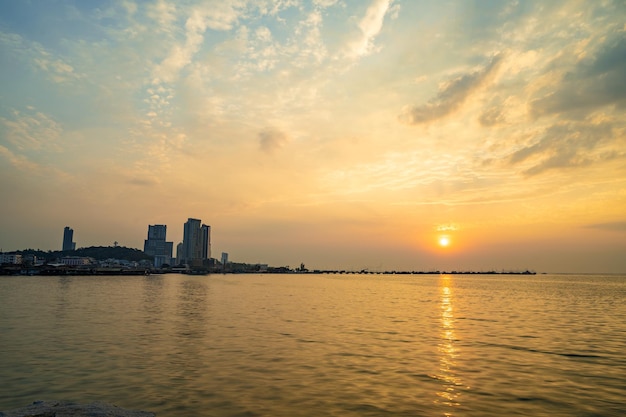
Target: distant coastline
{"x":63,"y":270}
{"x":119,"y":260}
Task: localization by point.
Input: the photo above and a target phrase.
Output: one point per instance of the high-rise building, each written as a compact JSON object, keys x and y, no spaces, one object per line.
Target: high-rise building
{"x":196,"y":247}
{"x":156,"y":245}
{"x":191,"y":236}
{"x":205,"y":232}
{"x":68,"y":236}
{"x":157,"y":232}
{"x":179,"y":253}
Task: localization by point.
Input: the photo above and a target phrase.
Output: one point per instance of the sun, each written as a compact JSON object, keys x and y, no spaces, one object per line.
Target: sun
{"x":444,"y":241}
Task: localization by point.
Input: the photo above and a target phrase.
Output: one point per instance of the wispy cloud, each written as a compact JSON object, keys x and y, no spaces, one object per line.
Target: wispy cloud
{"x":142,"y":181}
{"x":568,"y":146}
{"x":595,"y":81}
{"x":370,"y":26}
{"x":31,"y":130}
{"x":492,"y":116}
{"x":451,"y":227}
{"x":164,"y":13}
{"x":452,"y":95}
{"x":610,"y":226}
{"x":18,"y":161}
{"x":54,"y":66}
{"x":180,"y":55}
{"x":32,"y":169}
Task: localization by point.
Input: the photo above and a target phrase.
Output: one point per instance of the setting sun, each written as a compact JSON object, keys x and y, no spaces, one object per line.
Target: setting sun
{"x":444,"y":241}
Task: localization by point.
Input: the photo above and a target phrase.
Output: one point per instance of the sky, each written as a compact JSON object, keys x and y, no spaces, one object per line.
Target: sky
{"x":378,"y":134}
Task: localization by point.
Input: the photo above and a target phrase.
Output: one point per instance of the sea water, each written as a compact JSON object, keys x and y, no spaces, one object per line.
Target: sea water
{"x":318,"y":345}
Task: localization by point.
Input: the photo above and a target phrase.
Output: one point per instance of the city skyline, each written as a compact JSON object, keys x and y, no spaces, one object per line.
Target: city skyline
{"x":384,"y":134}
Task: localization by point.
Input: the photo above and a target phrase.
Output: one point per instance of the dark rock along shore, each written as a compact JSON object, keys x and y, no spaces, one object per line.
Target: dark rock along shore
{"x":68,"y":409}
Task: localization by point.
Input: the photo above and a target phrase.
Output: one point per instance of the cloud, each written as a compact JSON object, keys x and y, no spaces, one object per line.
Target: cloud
{"x":163,"y":13}
{"x":610,"y":226}
{"x":19,"y":162}
{"x":370,"y":26}
{"x":57,"y":68}
{"x":451,"y":227}
{"x":306,"y":47}
{"x":12,"y":41}
{"x":180,"y":55}
{"x":453,"y":94}
{"x":31,"y":169}
{"x":404,"y":171}
{"x":142,"y":182}
{"x":129,"y":6}
{"x":594,"y":82}
{"x":272,"y":140}
{"x":491,"y":117}
{"x":567,"y":146}
{"x":33,"y":131}
{"x":324,"y":3}
{"x":220,"y":17}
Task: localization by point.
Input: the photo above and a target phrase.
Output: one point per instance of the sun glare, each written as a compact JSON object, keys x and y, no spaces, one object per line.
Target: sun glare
{"x":444,"y":241}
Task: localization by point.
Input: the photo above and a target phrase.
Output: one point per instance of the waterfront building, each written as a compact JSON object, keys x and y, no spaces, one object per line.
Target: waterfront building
{"x":32,"y":260}
{"x":10,"y":258}
{"x":156,"y":245}
{"x":68,"y":236}
{"x":76,"y":261}
{"x":224,"y":258}
{"x":196,"y":246}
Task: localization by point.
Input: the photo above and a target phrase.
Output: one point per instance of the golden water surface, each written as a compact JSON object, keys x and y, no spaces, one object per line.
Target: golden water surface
{"x":318,"y":345}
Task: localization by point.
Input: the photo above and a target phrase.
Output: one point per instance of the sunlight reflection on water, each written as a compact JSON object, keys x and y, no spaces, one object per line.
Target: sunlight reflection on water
{"x":449,"y":393}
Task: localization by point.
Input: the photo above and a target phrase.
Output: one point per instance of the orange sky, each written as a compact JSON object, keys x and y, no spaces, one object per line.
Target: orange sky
{"x":338,"y":134}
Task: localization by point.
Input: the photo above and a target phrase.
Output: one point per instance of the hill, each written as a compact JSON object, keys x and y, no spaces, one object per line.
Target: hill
{"x":97,"y":252}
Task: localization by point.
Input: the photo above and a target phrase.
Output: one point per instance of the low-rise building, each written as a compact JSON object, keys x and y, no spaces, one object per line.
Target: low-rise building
{"x":10,"y":258}
{"x":76,"y":261}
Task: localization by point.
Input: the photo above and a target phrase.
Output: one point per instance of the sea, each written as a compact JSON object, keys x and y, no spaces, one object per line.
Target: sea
{"x":318,"y":344}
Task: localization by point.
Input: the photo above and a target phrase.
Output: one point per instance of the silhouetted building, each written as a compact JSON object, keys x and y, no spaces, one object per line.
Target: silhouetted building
{"x":196,"y":247}
{"x":205,"y":231}
{"x":179,"y":253}
{"x":156,"y":245}
{"x":68,"y":236}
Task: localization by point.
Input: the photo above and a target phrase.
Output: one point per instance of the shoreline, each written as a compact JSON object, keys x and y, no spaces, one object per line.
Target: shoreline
{"x":47,"y":271}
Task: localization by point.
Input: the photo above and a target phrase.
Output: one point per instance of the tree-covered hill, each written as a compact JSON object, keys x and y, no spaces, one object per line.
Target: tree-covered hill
{"x":96,"y":252}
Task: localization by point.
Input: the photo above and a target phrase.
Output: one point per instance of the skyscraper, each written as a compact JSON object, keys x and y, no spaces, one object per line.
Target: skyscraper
{"x":68,"y":236}
{"x":180,"y":255}
{"x":196,"y":246}
{"x":205,"y":232}
{"x":156,"y":245}
{"x":157,"y":232}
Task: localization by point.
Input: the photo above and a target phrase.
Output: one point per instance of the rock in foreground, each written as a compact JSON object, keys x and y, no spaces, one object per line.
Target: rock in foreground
{"x":67,"y":409}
